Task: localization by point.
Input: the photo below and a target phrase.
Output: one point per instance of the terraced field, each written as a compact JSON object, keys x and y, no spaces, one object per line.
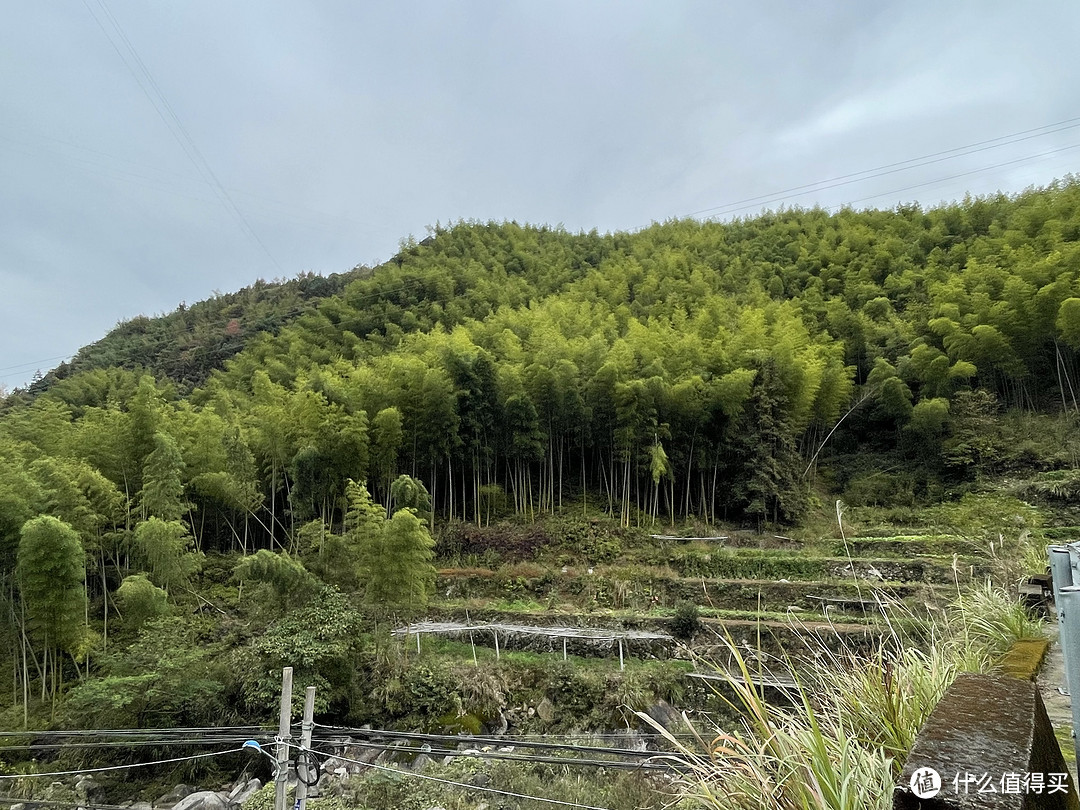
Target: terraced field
{"x":766,"y":593}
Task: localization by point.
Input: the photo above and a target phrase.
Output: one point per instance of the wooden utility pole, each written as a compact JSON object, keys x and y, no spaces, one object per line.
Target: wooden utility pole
{"x":281,"y":778}
{"x":304,"y":771}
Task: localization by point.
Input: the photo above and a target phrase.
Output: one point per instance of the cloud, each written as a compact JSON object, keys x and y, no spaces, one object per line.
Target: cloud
{"x":908,"y":100}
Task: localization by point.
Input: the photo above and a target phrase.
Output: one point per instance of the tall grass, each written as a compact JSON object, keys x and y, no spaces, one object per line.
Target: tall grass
{"x":780,"y":759}
{"x":854,"y":716}
{"x":990,"y":619}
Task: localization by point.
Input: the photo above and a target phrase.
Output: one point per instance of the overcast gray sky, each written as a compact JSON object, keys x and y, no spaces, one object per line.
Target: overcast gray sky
{"x":152,"y":153}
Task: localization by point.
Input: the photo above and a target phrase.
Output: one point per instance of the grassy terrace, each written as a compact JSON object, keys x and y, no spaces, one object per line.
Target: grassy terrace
{"x":760,"y":590}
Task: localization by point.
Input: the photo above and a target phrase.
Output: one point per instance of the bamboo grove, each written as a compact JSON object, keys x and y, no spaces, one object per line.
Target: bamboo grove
{"x":686,"y":370}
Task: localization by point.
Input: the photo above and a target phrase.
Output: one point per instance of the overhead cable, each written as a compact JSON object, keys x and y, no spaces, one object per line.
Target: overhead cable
{"x":889,"y":168}
{"x":465,"y":785}
{"x":84,"y":771}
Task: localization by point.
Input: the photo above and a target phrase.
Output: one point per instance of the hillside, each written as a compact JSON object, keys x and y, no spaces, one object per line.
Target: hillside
{"x":185,"y":346}
{"x":509,"y":367}
{"x":555,"y":429}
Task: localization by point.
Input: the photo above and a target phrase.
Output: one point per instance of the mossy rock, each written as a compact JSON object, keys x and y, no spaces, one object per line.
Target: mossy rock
{"x":1024,"y":658}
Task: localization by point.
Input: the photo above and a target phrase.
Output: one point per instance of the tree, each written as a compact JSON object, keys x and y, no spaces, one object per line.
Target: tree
{"x":286,"y":576}
{"x":398,"y":574}
{"x":165,"y":547}
{"x":767,"y":478}
{"x":162,"y":494}
{"x":51,"y":570}
{"x":384,"y":451}
{"x":173,"y":674}
{"x":140,"y":600}
{"x":408,"y":493}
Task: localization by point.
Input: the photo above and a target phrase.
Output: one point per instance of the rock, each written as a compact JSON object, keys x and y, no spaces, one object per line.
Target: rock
{"x":173,"y":796}
{"x":142,"y":806}
{"x":420,"y":763}
{"x":480,"y":780}
{"x":243,"y":791}
{"x":546,"y":710}
{"x":203,"y":800}
{"x":91,"y":790}
{"x":666,"y":715}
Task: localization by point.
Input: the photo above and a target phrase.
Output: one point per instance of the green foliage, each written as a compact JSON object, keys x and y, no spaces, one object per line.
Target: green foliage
{"x":165,"y":548}
{"x":686,"y":623}
{"x":333,"y":558}
{"x":140,"y":600}
{"x":51,"y":572}
{"x":320,"y":640}
{"x":988,"y":620}
{"x":172,"y":675}
{"x":1068,"y":321}
{"x":398,"y":570}
{"x":286,"y":576}
{"x":789,"y":758}
{"x":78,"y":494}
{"x":884,"y":699}
{"x":408,"y":493}
{"x":162,"y":494}
{"x":975,"y":439}
{"x":363,"y":517}
{"x":20,"y":495}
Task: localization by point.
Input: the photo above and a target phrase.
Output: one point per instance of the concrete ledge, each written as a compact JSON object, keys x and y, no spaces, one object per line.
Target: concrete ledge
{"x":1024,"y":658}
{"x":985,"y":731}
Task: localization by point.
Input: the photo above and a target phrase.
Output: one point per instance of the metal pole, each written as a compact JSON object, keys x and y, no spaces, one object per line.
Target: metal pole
{"x":1070,"y":642}
{"x":1073,"y":550}
{"x":622,"y":664}
{"x":281,"y":777}
{"x":564,"y":648}
{"x":303,"y":772}
{"x":496,"y":645}
{"x":472,"y":641}
{"x":1061,"y":576}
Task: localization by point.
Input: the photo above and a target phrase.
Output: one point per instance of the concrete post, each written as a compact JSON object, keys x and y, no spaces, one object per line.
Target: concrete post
{"x":304,"y":770}
{"x":281,"y":776}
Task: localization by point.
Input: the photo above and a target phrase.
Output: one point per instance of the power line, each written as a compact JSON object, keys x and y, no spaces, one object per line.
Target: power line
{"x":955,"y":176}
{"x":194,"y":743}
{"x":451,"y":782}
{"x":406,"y":735}
{"x":509,"y":755}
{"x":27,"y":366}
{"x":55,"y":803}
{"x":163,"y":180}
{"x":82,"y":771}
{"x":890,"y":168}
{"x":99,"y":732}
{"x":145,"y":79}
